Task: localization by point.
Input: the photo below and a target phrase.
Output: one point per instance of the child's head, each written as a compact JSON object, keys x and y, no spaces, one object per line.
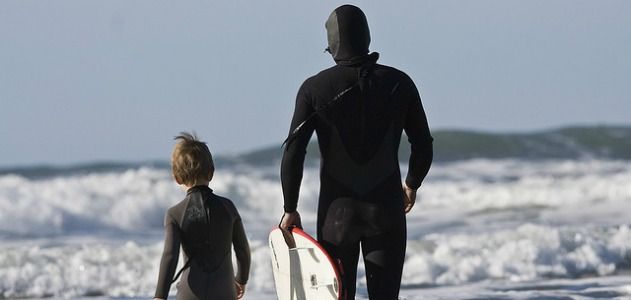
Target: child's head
{"x":191,"y":161}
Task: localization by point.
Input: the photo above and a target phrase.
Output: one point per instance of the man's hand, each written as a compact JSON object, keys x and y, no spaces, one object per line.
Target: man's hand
{"x":240,"y":289}
{"x":290,"y":219}
{"x":409,"y":198}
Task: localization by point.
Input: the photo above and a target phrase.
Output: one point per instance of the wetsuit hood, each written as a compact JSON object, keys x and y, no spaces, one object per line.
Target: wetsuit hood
{"x":348,"y":35}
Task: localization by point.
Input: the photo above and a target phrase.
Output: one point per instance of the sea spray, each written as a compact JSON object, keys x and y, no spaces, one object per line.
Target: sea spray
{"x":101,"y":233}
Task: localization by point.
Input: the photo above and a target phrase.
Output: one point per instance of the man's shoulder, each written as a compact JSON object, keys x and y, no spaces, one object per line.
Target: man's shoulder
{"x":391,"y":71}
{"x":327,"y":71}
{"x":324,"y":74}
{"x":395,"y":76}
{"x":334,"y":70}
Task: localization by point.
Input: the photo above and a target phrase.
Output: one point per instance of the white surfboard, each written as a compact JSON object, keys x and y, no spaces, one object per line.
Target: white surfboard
{"x":303,"y":270}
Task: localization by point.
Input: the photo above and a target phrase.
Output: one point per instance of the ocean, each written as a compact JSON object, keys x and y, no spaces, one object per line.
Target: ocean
{"x":481,"y":229}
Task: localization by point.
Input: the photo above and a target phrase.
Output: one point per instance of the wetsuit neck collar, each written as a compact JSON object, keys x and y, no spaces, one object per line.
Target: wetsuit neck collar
{"x":359,"y":60}
{"x":199,"y":188}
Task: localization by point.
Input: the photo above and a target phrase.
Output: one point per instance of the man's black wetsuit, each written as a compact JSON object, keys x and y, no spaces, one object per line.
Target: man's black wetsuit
{"x":361,"y":195}
{"x":210,"y":274}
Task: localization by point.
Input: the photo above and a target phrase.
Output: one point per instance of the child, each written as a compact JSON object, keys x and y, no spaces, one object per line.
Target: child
{"x":206,"y":225}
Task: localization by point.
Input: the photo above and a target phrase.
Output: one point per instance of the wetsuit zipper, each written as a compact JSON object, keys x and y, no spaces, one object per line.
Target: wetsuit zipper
{"x":206,"y":205}
{"x":362,"y":117}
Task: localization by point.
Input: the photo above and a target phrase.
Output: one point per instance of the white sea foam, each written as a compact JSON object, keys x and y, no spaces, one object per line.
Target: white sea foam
{"x":135,"y":200}
{"x":484,"y":184}
{"x":129,"y":201}
{"x":531,"y":252}
{"x":475,"y":221}
{"x":527,"y":253}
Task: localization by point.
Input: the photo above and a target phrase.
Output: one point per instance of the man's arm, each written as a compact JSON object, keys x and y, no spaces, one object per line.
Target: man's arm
{"x":292,"y":163}
{"x":170,"y":256}
{"x":420,"y":139}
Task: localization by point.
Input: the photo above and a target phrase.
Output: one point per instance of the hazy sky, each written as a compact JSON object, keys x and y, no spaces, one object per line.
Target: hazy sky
{"x":116,"y":80}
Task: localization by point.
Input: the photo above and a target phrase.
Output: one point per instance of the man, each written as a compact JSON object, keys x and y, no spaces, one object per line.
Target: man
{"x":358,"y":109}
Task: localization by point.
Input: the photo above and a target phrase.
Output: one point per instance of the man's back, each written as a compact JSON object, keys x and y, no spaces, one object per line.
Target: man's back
{"x":359,"y":132}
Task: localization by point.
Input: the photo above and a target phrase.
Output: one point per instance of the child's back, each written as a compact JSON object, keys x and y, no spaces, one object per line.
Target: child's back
{"x":206,"y":226}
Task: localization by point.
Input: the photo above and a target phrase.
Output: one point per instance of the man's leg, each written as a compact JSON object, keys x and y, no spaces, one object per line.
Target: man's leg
{"x":339,"y":235}
{"x":384,"y":255}
{"x":346,"y":259}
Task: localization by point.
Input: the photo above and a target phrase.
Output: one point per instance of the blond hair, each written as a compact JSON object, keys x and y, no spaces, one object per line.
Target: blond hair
{"x":191,"y":160}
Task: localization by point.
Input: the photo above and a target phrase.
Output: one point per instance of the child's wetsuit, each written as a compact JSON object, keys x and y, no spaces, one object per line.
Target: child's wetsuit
{"x":206,"y":225}
{"x":361,"y":196}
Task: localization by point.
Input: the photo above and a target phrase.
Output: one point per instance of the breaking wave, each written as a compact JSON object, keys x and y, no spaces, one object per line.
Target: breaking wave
{"x":100,"y":233}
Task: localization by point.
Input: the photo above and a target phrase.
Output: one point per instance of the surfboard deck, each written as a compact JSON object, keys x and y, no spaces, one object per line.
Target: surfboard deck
{"x":303,"y":270}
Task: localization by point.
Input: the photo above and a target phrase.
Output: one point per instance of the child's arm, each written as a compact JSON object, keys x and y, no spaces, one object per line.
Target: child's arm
{"x":242,"y":252}
{"x":170,"y":256}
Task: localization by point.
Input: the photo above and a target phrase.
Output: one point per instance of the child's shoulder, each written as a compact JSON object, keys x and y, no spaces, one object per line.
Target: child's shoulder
{"x":178,"y":208}
{"x":227,"y":203}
